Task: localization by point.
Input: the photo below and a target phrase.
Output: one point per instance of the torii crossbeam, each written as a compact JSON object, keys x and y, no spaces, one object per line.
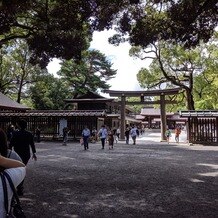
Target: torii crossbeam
{"x":142,"y":94}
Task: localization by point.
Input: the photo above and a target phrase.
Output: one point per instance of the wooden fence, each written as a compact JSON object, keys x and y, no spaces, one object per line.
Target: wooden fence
{"x":203,"y":130}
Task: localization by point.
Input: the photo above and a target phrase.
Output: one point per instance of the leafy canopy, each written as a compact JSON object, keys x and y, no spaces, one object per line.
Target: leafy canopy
{"x":56,"y":28}
{"x":91,"y":73}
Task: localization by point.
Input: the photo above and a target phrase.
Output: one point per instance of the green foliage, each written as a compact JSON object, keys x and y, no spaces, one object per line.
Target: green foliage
{"x":135,"y":108}
{"x":16,"y":73}
{"x":91,"y":73}
{"x":49,"y":93}
{"x":180,"y":22}
{"x":195,"y":71}
{"x":61,"y":29}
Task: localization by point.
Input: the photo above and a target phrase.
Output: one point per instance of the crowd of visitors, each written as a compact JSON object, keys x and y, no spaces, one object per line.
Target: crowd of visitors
{"x":17,"y":144}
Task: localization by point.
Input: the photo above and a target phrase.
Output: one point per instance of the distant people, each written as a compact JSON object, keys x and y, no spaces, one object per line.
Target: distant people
{"x":66,"y":131}
{"x":94,"y":135}
{"x":38,"y":133}
{"x":21,"y":141}
{"x":118,"y":133}
{"x":133,"y":133}
{"x":177,"y":133}
{"x":115,"y":135}
{"x":168,"y":135}
{"x":17,"y":171}
{"x":86,"y":134}
{"x":111,"y":139}
{"x":10,"y":132}
{"x":127,"y":132}
{"x":137,"y":131}
{"x":102,"y":133}
{"x":4,"y":150}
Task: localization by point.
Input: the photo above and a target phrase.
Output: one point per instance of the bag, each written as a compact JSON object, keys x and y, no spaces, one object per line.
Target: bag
{"x":81,"y":141}
{"x":16,"y":209}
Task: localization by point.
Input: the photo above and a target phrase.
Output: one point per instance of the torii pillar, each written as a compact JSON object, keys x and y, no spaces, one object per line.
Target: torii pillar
{"x":163,"y":116}
{"x":123,"y":118}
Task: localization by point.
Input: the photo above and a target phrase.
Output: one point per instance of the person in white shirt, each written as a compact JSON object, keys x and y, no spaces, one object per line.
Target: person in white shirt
{"x":86,"y":134}
{"x":17,"y":172}
{"x":102,"y":133}
{"x":133,"y":133}
{"x":118,"y":133}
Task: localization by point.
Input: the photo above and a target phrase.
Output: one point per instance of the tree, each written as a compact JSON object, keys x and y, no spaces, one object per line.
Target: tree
{"x":49,"y":93}
{"x":17,"y":74}
{"x":6,"y":77}
{"x":184,"y":22}
{"x":91,"y":73}
{"x":193,"y":70}
{"x":50,"y":35}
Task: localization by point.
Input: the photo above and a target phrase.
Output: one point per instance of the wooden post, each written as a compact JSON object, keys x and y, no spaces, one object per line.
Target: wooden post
{"x":163,"y":117}
{"x":122,"y":118}
{"x":216,"y":129}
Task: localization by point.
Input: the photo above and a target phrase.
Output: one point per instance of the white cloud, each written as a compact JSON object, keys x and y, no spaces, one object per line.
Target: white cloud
{"x":126,"y":66}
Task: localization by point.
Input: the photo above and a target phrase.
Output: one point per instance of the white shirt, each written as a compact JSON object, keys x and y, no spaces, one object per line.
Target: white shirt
{"x":17,"y":175}
{"x":133,"y":131}
{"x":103,"y":133}
{"x":86,"y":132}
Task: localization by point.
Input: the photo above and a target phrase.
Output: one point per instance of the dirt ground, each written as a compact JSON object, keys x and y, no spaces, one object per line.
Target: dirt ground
{"x":150,"y":179}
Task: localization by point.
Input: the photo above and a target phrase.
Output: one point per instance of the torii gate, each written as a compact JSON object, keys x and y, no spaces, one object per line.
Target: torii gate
{"x":142,"y":94}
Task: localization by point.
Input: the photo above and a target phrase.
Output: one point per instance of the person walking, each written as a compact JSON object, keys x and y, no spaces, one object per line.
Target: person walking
{"x":118,"y":133}
{"x":86,"y":134}
{"x":65,"y":135}
{"x":21,"y":142}
{"x":168,"y":135}
{"x":94,"y":135}
{"x":133,"y":133}
{"x":38,"y":133}
{"x":177,"y":133}
{"x":111,"y":139}
{"x":102,"y":133}
{"x":127,"y":132}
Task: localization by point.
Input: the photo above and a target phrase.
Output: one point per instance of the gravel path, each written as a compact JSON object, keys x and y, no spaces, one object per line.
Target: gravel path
{"x":150,"y":179}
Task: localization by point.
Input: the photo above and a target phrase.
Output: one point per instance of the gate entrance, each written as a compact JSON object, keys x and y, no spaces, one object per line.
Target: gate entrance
{"x":142,"y":94}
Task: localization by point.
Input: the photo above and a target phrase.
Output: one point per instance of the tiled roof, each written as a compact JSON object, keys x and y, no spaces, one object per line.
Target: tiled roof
{"x":152,"y":112}
{"x":7,"y":103}
{"x":95,"y":100}
{"x":62,"y":113}
{"x":206,"y":113}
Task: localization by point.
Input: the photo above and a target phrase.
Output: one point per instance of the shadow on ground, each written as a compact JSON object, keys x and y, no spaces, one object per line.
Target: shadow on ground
{"x":146,"y":180}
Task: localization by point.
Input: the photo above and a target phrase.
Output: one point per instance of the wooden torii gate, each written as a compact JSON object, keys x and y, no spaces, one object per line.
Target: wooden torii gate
{"x":162,"y":102}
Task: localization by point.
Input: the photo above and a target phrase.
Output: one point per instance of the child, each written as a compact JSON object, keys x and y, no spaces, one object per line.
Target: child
{"x":168,"y":135}
{"x":111,"y":140}
{"x":177,"y":133}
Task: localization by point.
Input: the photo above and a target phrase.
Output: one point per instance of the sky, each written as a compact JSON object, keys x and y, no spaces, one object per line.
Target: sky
{"x":126,"y":66}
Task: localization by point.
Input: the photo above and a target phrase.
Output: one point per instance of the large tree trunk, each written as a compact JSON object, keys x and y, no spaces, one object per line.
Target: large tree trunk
{"x":190,"y":100}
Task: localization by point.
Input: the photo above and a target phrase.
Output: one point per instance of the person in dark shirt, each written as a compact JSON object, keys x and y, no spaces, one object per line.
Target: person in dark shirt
{"x":21,"y":142}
